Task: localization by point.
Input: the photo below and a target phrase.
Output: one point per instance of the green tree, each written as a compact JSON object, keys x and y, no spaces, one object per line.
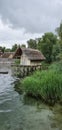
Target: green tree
{"x":46,"y":43}
{"x":14,"y":47}
{"x":59,"y":31}
{"x":2,"y":49}
{"x":55,"y":51}
{"x":23,"y":45}
{"x":7,"y":50}
{"x":32,"y":44}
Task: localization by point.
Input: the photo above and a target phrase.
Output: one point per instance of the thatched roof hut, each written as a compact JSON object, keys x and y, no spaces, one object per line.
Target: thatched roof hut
{"x":33,"y":54}
{"x":29,"y":56}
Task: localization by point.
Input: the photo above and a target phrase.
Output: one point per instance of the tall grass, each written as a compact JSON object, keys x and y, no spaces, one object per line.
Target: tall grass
{"x":46,"y":85}
{"x":56,"y":67}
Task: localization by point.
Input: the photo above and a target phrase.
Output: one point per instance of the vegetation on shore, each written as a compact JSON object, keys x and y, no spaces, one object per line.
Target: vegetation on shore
{"x":45,"y":85}
{"x":17,"y":61}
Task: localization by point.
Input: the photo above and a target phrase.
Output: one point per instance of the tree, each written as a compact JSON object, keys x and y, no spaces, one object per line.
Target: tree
{"x":2,"y":49}
{"x":23,"y":45}
{"x":7,"y":50}
{"x":46,"y":43}
{"x":55,"y":52}
{"x":59,"y":31}
{"x":32,"y":44}
{"x":14,"y":47}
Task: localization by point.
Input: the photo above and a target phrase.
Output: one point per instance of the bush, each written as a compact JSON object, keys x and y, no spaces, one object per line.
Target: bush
{"x":46,"y":85}
{"x":56,"y":67}
{"x":17,"y":61}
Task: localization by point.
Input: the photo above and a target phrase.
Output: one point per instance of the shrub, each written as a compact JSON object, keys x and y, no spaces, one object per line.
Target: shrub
{"x":17,"y":61}
{"x":46,"y":84}
{"x":56,"y":67}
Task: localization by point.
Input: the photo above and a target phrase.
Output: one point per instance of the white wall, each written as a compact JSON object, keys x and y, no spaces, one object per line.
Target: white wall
{"x":24,"y":60}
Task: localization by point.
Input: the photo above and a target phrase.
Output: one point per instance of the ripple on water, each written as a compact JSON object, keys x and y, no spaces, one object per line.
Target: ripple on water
{"x":16,"y":114}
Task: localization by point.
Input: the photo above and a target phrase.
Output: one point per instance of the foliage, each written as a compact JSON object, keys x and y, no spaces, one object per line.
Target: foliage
{"x":18,"y":87}
{"x":32,"y":44}
{"x":59,"y":57}
{"x":55,"y":52}
{"x":46,"y":44}
{"x":23,"y":45}
{"x":7,"y":50}
{"x":14,"y":47}
{"x":17,"y":61}
{"x":57,"y":66}
{"x":44,"y":85}
{"x":2,"y":49}
{"x":59,"y":31}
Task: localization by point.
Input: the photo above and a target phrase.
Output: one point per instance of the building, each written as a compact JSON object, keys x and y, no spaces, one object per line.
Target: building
{"x":29,"y":56}
{"x":8,"y":55}
{"x":1,"y":53}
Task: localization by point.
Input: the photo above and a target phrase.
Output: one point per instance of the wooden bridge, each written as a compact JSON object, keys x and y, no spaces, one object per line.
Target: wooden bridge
{"x":23,"y":70}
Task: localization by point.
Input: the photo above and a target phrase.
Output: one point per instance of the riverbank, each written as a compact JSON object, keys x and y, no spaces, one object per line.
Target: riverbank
{"x":45,"y":85}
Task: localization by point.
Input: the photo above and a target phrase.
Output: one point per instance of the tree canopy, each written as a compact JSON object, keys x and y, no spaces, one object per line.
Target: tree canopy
{"x":46,"y":45}
{"x":32,"y":43}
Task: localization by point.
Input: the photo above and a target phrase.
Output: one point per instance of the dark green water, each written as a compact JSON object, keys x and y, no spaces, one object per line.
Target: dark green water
{"x":19,"y":113}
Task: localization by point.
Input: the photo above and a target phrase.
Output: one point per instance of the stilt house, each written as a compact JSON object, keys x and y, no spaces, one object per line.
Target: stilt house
{"x":29,"y":56}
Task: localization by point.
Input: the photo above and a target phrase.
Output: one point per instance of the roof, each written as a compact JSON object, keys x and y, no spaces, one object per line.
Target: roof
{"x":33,"y":54}
{"x":1,"y":53}
{"x":17,"y":53}
{"x":7,"y":54}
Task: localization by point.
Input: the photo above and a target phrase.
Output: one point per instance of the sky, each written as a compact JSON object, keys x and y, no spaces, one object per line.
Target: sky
{"x":21,"y":20}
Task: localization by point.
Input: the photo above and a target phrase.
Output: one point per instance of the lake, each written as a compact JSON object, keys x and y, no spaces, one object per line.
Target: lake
{"x":19,"y":113}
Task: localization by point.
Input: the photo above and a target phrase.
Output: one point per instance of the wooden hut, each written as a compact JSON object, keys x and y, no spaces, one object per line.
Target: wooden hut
{"x":29,"y":56}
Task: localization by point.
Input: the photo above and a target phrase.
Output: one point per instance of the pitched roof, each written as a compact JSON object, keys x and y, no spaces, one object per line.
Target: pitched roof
{"x":17,"y":53}
{"x":33,"y":54}
{"x":7,"y":54}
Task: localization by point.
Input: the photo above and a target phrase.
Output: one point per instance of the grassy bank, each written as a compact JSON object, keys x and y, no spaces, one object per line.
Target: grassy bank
{"x":45,"y":85}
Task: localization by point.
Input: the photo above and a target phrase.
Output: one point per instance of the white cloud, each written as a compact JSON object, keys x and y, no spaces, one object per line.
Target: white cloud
{"x":34,"y":15}
{"x":10,"y":36}
{"x":24,"y":19}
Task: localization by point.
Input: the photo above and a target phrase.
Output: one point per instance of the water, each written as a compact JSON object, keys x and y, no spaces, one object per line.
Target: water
{"x":19,"y":113}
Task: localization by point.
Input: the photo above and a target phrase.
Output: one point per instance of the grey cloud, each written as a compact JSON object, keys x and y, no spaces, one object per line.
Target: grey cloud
{"x":34,"y":15}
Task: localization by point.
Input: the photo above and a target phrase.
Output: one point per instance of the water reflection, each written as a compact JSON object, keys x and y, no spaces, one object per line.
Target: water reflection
{"x":18,"y":113}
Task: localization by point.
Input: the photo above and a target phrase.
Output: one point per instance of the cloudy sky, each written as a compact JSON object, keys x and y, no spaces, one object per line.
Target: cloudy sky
{"x":21,"y":20}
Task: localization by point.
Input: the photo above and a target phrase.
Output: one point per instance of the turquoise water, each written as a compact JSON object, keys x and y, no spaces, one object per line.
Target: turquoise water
{"x":19,"y":113}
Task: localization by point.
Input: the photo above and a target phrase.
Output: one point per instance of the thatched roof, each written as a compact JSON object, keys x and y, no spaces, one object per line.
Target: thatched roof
{"x":32,"y":54}
{"x":7,"y":54}
{"x":17,"y":53}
